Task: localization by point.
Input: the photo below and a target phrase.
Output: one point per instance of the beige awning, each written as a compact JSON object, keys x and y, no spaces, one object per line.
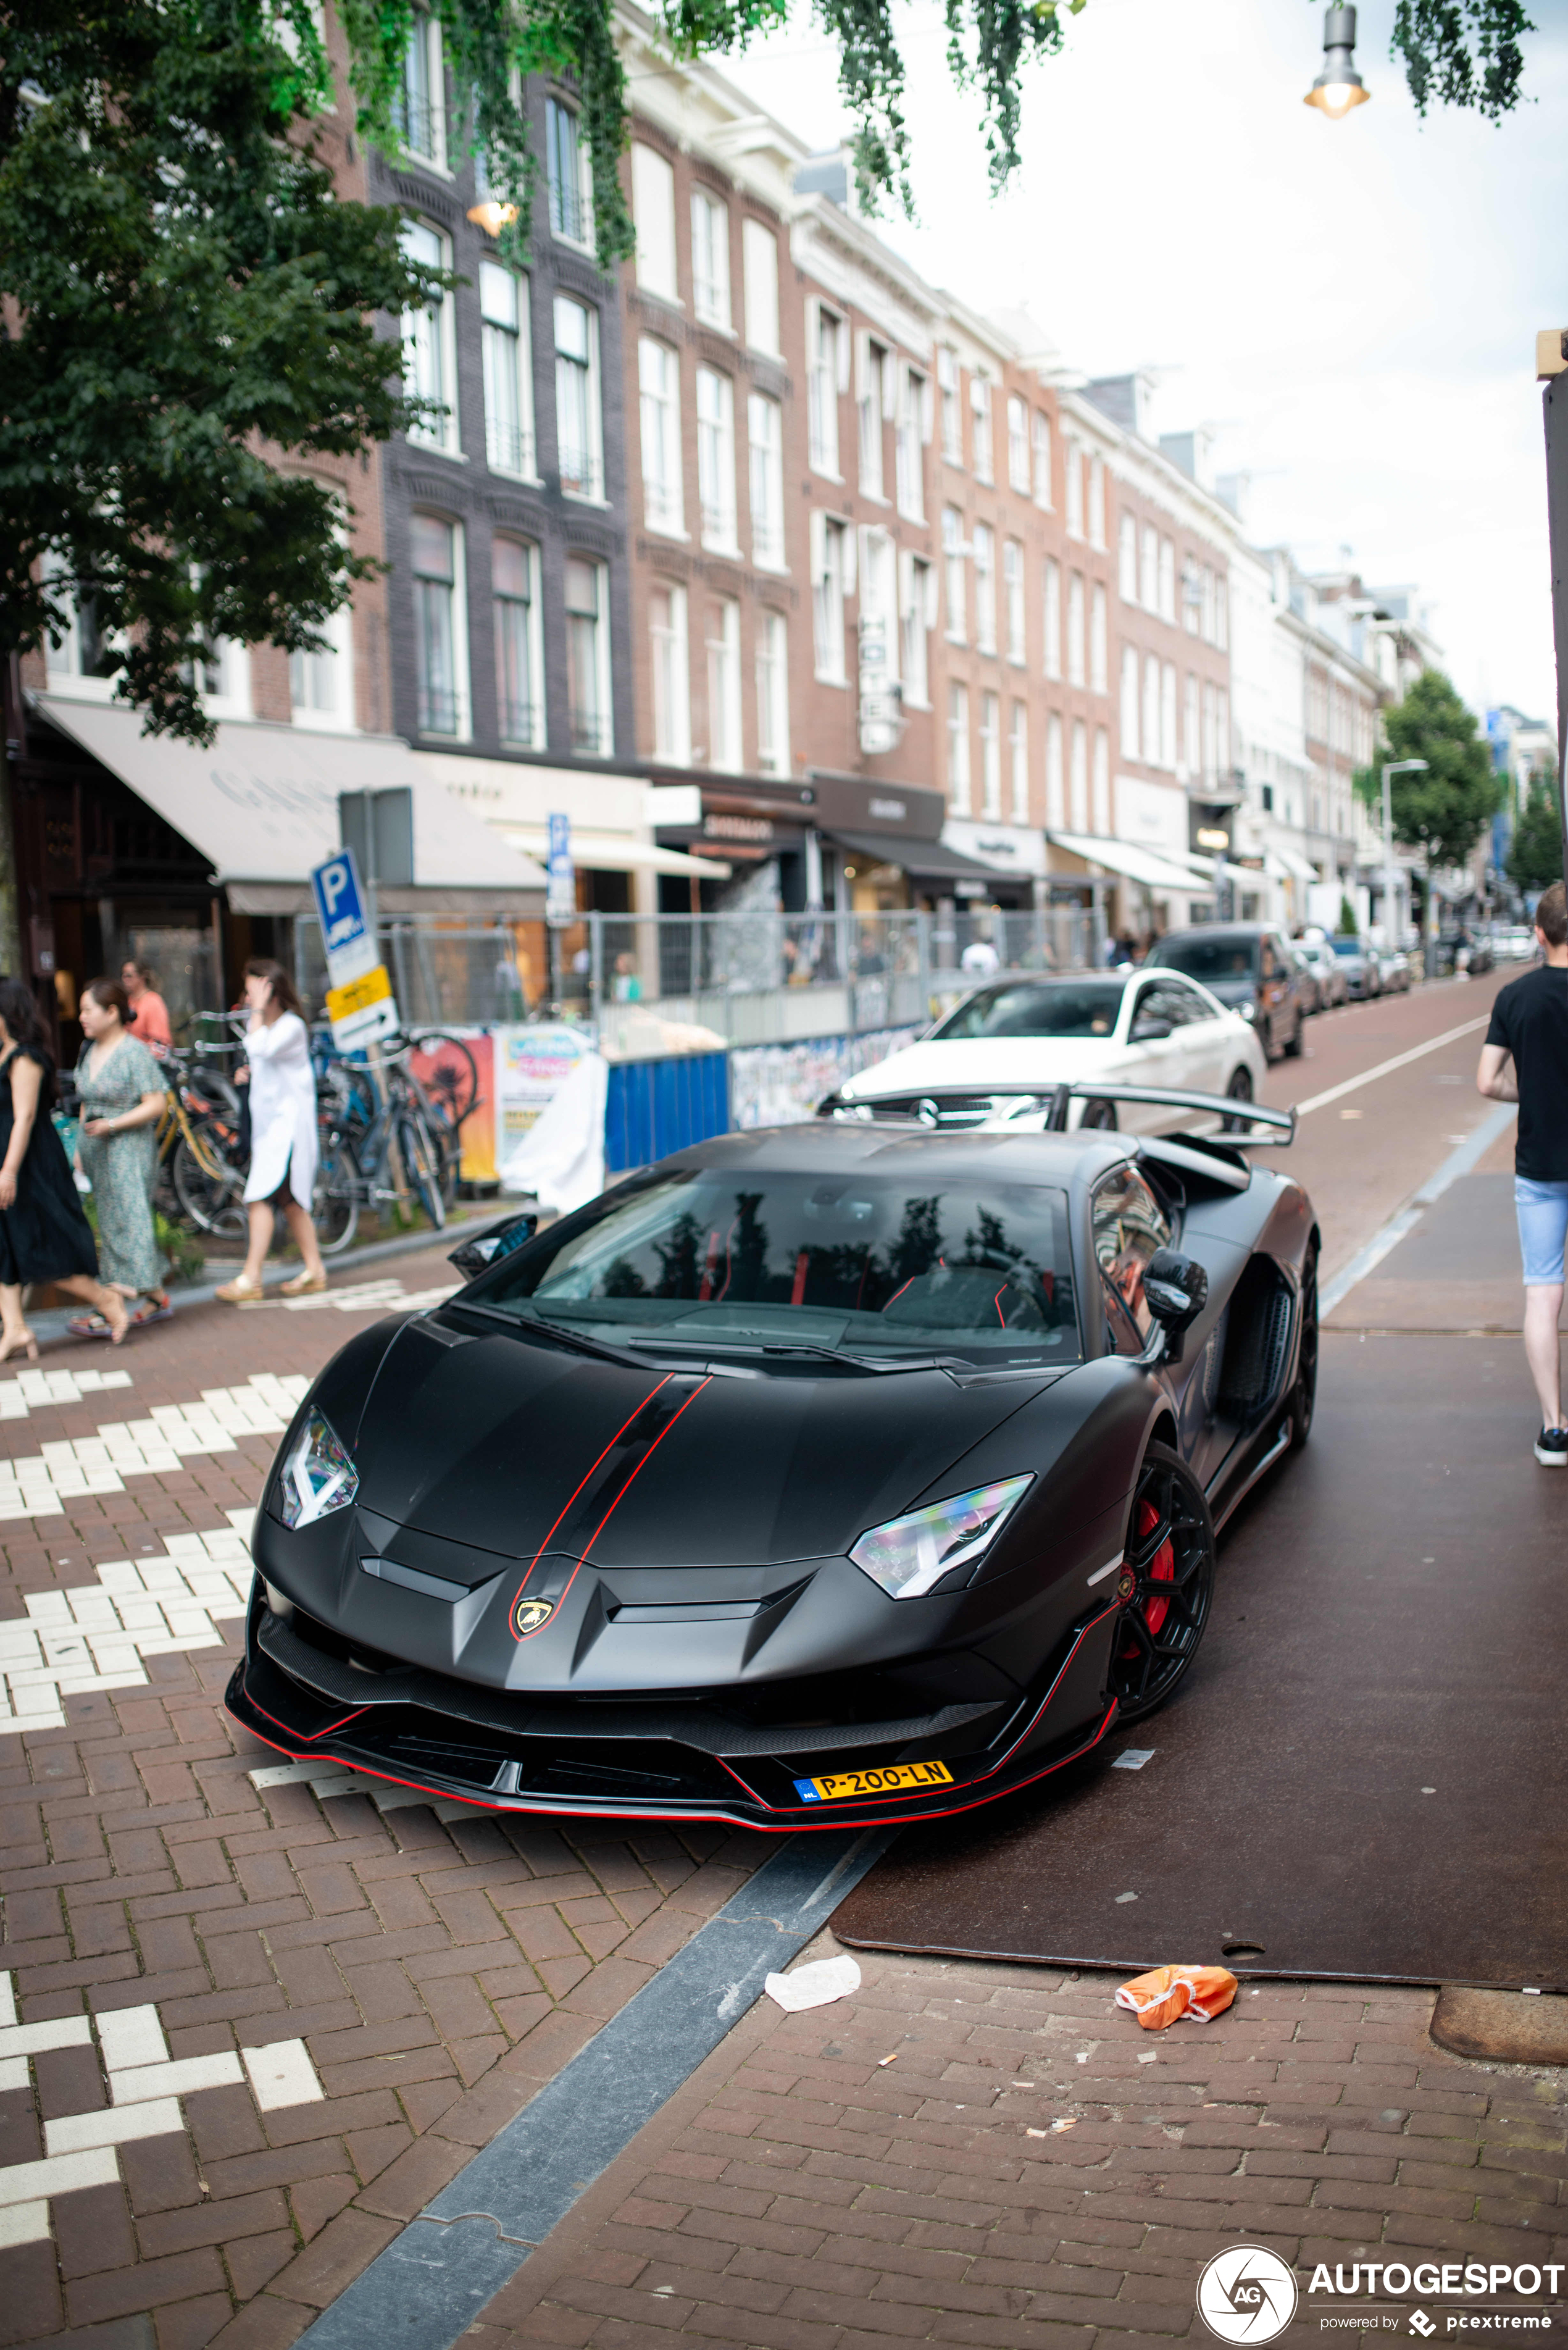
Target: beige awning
{"x":610,"y":831}
{"x":262,"y":803}
{"x":1128,"y":858}
{"x":614,"y":852}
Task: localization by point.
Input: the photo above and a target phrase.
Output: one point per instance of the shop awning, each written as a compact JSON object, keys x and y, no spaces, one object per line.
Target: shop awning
{"x":1125,"y":857}
{"x":613,"y":852}
{"x":926,"y":860}
{"x":262,"y":803}
{"x":1296,"y":867}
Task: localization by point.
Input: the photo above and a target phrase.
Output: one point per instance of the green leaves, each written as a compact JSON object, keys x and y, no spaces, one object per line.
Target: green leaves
{"x":1462,"y":53}
{"x":188,"y":289}
{"x":1444,"y":812}
{"x":1535,"y":852}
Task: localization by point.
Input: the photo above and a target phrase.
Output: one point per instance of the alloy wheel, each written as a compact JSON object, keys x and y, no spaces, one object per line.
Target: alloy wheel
{"x":1304,"y":1395}
{"x":1240,"y":1089}
{"x":1165,"y":1585}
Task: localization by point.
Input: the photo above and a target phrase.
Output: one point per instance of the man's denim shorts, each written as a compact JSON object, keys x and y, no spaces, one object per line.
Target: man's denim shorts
{"x":1542,"y":1213}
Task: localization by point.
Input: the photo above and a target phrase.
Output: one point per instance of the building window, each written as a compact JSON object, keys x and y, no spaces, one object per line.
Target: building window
{"x":420,"y":105}
{"x":1075,"y":465}
{"x":1168,"y":714}
{"x":587,"y":657}
{"x":508,"y":372}
{"x":1222,"y":611}
{"x":672,"y":689}
{"x":1129,"y":727}
{"x":570,"y":174}
{"x":1167,"y":581}
{"x":953,"y":574}
{"x":578,"y":424}
{"x":870,"y":407}
{"x":1053,"y":617}
{"x":1056,"y":811}
{"x":760,"y":259}
{"x":1013,"y":579}
{"x":827,"y":588}
{"x":1018,"y":444}
{"x":1076,"y":674}
{"x":1098,"y":655}
{"x":914,"y":622}
{"x":765,"y":433}
{"x":1102,"y":781}
{"x":724,"y":649}
{"x":1149,"y":569}
{"x":980,"y":427}
{"x":710,"y":258}
{"x":659,"y":407}
{"x":1127,"y":560}
{"x":1192,"y":742}
{"x":773,"y":694}
{"x":653,"y":208}
{"x":430,"y":349}
{"x":952,"y":419}
{"x":991,"y":755}
{"x":1018,"y":758}
{"x":878,"y":616}
{"x":825,"y":361}
{"x":716,"y":458}
{"x":1097,"y":501}
{"x":985,"y":587}
{"x":1192,"y":597}
{"x":321,"y":685}
{"x":1080,"y":777}
{"x":958,"y":748}
{"x":1043,"y":496}
{"x":1150,"y":711}
{"x":222,"y":679}
{"x":908,"y":443}
{"x":519,"y":695}
{"x":435,"y":557}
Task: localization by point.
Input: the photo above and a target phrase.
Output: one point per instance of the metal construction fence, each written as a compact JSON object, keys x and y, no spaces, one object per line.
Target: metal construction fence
{"x":746,"y":978}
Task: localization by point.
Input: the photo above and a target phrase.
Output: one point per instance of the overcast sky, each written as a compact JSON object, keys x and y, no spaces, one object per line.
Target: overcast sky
{"x":1352,"y":304}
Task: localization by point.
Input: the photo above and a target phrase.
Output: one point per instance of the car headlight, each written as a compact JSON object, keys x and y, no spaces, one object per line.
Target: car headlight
{"x":317,"y":1476}
{"x":908,"y":1555}
{"x":1248,"y":1011}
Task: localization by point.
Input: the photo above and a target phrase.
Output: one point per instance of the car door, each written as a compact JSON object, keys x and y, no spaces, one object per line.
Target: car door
{"x":1275,"y":1013}
{"x":1158,"y":1058}
{"x":1208,"y":1036}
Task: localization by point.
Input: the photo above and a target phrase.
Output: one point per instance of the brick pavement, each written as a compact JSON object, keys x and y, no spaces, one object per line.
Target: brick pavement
{"x":1034,"y":2172}
{"x":409,"y":1980}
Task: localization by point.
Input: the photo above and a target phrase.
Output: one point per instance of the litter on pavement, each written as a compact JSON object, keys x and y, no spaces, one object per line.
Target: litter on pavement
{"x":1158,"y":1998}
{"x":817,"y":1985}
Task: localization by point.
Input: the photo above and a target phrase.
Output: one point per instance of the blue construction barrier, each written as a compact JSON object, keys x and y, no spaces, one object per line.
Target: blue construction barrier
{"x":656,"y":1107}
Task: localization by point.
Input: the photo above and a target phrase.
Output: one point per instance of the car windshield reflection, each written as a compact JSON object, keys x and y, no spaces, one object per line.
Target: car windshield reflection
{"x":862,"y":1265}
{"x":1049,"y":1008}
{"x":1211,"y":960}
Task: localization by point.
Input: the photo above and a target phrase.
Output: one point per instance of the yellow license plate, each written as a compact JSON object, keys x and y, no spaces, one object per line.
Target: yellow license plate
{"x":898,"y":1779}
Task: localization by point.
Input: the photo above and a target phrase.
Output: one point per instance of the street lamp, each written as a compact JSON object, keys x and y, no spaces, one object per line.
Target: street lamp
{"x":492,"y":217}
{"x":1395,"y":767}
{"x":1339,"y":87}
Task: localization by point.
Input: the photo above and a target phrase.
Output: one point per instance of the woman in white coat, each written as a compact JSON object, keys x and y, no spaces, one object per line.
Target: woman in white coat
{"x":283,"y":1131}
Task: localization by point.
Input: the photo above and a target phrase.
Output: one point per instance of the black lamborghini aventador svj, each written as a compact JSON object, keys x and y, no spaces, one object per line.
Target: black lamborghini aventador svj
{"x":842,"y":1472}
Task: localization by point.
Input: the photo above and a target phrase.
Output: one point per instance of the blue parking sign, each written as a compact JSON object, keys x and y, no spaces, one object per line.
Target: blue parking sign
{"x":339,"y":907}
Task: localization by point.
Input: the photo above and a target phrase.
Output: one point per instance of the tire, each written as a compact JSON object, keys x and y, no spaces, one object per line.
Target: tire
{"x":1304,"y":1395}
{"x":212,"y":1202}
{"x":1166,"y":1585}
{"x":334,"y":1202}
{"x":1239,"y":1090}
{"x":1099,"y":1118}
{"x":421,"y":1161}
{"x":1293,"y":1049}
{"x":451,"y":1077}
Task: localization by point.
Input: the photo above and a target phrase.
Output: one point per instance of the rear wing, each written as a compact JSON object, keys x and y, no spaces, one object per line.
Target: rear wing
{"x":926,"y":1109}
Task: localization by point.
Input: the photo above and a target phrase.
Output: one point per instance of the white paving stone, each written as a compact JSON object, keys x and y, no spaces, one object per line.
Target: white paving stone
{"x":27,"y":2182}
{"x":178,"y":2079}
{"x":24,"y":2223}
{"x":78,"y":2133}
{"x":281,"y":2074}
{"x":130,"y":2036}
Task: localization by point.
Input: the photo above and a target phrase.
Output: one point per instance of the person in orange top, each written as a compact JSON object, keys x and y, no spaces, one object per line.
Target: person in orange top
{"x":148,"y":1012}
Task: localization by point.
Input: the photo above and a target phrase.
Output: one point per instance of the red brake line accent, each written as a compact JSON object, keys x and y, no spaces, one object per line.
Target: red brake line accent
{"x":638,"y":1471}
{"x":583,"y":1480}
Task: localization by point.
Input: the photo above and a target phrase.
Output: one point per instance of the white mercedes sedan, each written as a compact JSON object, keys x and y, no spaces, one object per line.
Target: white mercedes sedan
{"x":1145,"y":1029}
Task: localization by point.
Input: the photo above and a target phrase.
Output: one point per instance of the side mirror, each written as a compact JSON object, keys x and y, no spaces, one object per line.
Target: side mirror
{"x":486,"y":1248}
{"x":1149,"y":1029}
{"x":1176,"y":1290}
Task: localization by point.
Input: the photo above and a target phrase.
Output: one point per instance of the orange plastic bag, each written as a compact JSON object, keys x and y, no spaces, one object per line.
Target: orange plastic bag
{"x":1158,"y":1998}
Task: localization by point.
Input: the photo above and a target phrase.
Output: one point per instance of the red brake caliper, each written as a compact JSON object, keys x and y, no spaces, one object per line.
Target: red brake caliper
{"x":1162,"y":1569}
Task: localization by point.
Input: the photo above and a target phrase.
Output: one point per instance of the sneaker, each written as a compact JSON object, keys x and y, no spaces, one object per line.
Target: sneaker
{"x":1551,"y":1448}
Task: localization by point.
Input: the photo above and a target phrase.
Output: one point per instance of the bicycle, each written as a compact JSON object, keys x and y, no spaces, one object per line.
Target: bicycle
{"x":382,"y":1139}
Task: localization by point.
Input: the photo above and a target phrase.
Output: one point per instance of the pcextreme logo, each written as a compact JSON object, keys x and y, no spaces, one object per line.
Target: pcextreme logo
{"x":1246,"y":2293}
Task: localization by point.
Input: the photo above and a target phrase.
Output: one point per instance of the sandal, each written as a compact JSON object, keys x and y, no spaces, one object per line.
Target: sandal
{"x":241,"y":1292}
{"x":88,"y":1326}
{"x":150,"y":1309}
{"x":303,"y":1284}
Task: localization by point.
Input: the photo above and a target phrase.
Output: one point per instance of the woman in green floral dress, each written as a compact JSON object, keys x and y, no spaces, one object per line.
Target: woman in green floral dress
{"x":121,"y":1089}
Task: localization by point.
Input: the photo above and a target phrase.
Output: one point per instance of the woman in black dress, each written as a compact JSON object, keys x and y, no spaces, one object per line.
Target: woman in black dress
{"x":43,"y":1234}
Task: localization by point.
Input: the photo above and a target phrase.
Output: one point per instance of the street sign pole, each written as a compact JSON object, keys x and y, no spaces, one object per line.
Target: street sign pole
{"x":1551,"y":369}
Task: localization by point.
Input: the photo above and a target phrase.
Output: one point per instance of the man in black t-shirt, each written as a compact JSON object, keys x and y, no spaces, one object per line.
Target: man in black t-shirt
{"x":1529,"y":1029}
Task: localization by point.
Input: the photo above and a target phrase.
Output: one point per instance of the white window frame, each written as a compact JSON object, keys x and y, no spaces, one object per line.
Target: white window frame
{"x":1017,"y":613}
{"x":826,"y":341}
{"x":1192,"y":728}
{"x":427,"y":56}
{"x":669,"y":676}
{"x":571,"y":210}
{"x":1018,"y":760}
{"x":990,"y":757}
{"x":773,"y":692}
{"x":430,"y":348}
{"x":1044,"y":494}
{"x":871,"y":363}
{"x":653,"y":209}
{"x":951,"y":407}
{"x":660,"y":437}
{"x":955,"y":580}
{"x":982,"y":428}
{"x":1150,"y":711}
{"x":589,"y":490}
{"x":1100,"y":782}
{"x":1018,"y":444}
{"x":1055,"y":787}
{"x":1077,"y":630}
{"x":462,"y":706}
{"x":1053,"y":602}
{"x":984,"y":587}
{"x":1167,"y":581}
{"x":1079,"y":781}
{"x":957,"y":750}
{"x":908,"y":443}
{"x":337,"y":716}
{"x":1168,"y":714}
{"x":726,"y":747}
{"x":606,"y":745}
{"x":1148,"y":568}
{"x":710,"y":259}
{"x":1099,"y":632}
{"x":535,"y":737}
{"x":916,"y":587}
{"x":832,"y":545}
{"x":1097,"y":500}
{"x":1130,"y":706}
{"x":508,"y":371}
{"x":1072,"y":461}
{"x":759,"y":290}
{"x":716,"y":460}
{"x":1127,"y":560}
{"x":765,"y":472}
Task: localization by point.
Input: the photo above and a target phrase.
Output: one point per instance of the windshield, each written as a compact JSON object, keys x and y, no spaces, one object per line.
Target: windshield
{"x":859,"y":1264}
{"x":1347,"y":946}
{"x":1039,"y":1007}
{"x":1211,"y":959}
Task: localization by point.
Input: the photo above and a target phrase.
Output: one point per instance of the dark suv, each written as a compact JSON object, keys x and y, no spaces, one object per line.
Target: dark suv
{"x":1250,"y":967}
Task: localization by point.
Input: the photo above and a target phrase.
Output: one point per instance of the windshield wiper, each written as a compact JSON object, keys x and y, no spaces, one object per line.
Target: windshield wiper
{"x":577,"y":1340}
{"x":809,"y":1346}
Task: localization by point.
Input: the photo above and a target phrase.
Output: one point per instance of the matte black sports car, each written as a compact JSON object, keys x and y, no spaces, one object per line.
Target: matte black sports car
{"x":842,"y":1472}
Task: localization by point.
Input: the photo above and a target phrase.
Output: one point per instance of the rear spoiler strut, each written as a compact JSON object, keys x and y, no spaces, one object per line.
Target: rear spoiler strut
{"x":1055,"y":1100}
